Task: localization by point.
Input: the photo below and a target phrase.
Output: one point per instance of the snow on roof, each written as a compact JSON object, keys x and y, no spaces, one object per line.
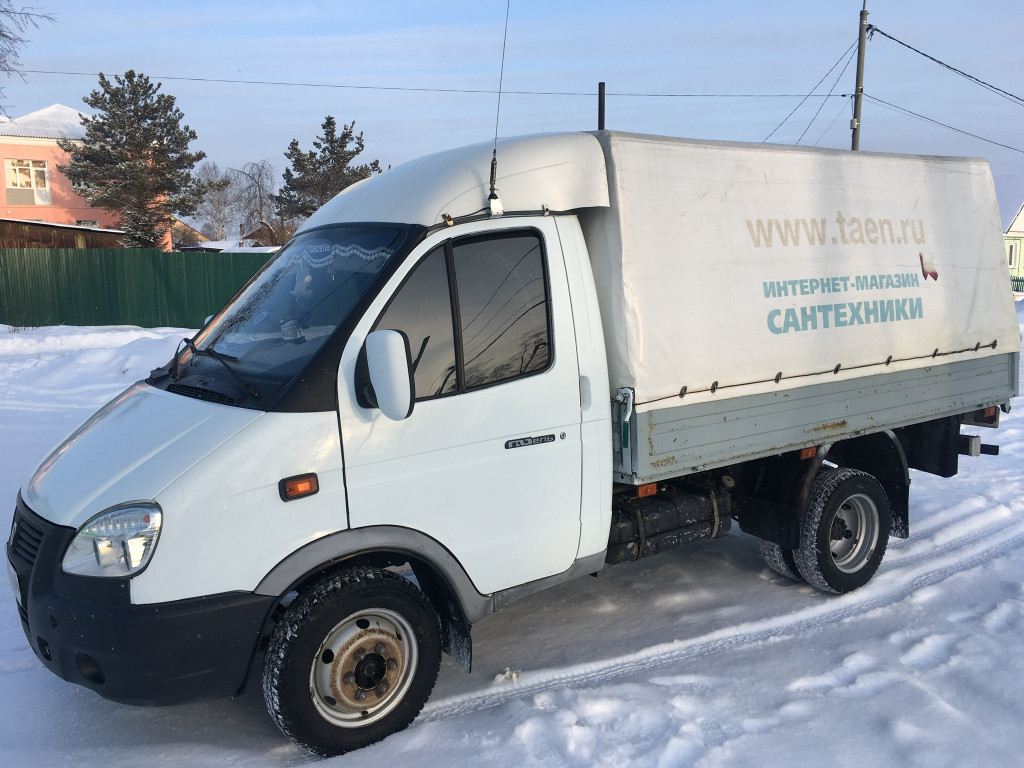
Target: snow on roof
{"x":64,"y":226}
{"x":234,"y":245}
{"x":53,"y":122}
{"x":220,"y":245}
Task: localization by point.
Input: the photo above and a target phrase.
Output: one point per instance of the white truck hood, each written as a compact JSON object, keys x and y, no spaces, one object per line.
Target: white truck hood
{"x":129,"y":450}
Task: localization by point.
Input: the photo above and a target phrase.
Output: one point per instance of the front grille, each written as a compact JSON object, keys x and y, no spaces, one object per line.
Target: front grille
{"x":26,"y":540}
{"x":201,"y":394}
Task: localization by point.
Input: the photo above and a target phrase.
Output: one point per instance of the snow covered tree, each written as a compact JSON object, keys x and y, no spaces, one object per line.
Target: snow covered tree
{"x":319,"y":174}
{"x":134,"y":161}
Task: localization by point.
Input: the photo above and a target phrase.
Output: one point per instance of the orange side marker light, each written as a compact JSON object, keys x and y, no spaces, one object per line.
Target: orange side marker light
{"x":296,"y":487}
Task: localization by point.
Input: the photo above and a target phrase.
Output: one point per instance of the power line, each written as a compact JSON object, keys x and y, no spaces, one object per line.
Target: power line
{"x":820,"y":106}
{"x":486,"y":91}
{"x":911,"y":113}
{"x":831,"y":124}
{"x":805,"y":98}
{"x":977,"y":81}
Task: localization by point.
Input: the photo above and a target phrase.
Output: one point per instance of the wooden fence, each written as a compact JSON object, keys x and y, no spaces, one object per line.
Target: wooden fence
{"x":148,"y":288}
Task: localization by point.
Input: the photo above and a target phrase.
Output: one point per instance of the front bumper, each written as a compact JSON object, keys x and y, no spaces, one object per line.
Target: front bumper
{"x":86,"y":630}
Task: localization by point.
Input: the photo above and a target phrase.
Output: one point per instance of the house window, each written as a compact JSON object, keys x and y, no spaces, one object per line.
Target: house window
{"x":1013,"y":254}
{"x":28,"y":182}
{"x":87,"y":223}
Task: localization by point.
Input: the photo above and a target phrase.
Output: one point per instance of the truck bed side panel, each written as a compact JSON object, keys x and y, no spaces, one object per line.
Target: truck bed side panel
{"x":687,"y":438}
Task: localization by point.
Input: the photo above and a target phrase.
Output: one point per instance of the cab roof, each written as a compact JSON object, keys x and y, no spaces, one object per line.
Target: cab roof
{"x":559,"y":171}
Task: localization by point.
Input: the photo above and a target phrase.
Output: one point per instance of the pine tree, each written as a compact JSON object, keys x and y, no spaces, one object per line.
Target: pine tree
{"x":134,"y":161}
{"x":319,"y":174}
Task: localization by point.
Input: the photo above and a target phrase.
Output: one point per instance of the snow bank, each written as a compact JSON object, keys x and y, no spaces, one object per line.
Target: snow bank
{"x":699,"y":657}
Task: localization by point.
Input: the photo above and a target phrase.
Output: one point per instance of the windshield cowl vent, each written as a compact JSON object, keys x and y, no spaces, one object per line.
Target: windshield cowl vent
{"x":201,"y":394}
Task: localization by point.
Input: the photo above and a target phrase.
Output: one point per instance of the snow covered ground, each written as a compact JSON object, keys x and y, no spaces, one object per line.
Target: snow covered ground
{"x":697,"y":657}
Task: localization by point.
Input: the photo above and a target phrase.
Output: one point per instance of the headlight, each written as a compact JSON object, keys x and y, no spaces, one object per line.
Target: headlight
{"x":115,"y":543}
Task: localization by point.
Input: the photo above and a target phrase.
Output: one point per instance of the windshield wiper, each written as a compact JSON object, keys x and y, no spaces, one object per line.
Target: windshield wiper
{"x":223,"y":360}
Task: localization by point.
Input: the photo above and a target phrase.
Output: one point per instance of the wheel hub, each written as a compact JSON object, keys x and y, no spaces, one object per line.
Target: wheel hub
{"x":370,"y":671}
{"x":854,"y":533}
{"x":363,"y":668}
{"x":839,"y":529}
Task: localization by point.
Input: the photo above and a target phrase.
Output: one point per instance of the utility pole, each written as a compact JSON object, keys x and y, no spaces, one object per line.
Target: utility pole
{"x":600,"y":104}
{"x":859,"y":93}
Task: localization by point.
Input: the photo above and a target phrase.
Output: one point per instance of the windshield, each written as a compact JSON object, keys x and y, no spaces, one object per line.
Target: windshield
{"x":283,"y":317}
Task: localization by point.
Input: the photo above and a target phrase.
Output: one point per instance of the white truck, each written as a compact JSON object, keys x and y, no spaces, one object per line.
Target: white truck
{"x":437,"y":399}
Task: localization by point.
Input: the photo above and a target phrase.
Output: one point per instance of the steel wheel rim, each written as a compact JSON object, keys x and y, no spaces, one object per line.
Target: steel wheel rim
{"x":363,"y":668}
{"x":858,"y":514}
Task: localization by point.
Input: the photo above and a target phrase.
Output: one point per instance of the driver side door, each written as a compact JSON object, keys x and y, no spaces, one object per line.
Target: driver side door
{"x":489,"y":461}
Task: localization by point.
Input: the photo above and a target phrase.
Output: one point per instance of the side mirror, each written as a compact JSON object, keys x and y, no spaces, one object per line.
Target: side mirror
{"x":390,"y":368}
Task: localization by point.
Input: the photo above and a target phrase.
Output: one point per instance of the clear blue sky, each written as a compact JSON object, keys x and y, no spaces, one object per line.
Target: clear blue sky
{"x":730,"y":46}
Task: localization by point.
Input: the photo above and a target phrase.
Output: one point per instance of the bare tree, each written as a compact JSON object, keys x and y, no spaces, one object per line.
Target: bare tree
{"x":219,"y":208}
{"x":255,"y":189}
{"x":14,"y":22}
{"x":259,"y":205}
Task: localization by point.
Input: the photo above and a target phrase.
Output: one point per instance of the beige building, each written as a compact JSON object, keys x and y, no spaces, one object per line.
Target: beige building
{"x":34,"y":189}
{"x":1014,"y":239}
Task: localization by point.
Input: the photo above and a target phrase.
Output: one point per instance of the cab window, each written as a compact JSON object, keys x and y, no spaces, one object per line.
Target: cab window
{"x":476,"y":313}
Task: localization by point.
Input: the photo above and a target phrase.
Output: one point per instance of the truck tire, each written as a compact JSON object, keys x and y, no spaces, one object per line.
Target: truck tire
{"x":352,"y":661}
{"x":844,"y":530}
{"x":779,"y":559}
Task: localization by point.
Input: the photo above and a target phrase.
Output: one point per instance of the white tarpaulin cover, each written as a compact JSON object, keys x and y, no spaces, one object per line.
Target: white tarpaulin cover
{"x":720,"y":266}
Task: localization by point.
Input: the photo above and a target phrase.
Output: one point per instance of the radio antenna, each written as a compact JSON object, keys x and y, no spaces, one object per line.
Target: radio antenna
{"x":492,"y":199}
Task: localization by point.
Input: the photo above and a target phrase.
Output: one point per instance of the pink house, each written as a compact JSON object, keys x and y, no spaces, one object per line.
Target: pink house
{"x":34,"y":190}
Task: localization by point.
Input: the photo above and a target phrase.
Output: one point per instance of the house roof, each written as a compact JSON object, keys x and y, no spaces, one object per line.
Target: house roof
{"x":179,"y":225}
{"x":53,"y":122}
{"x":54,"y":225}
{"x":1017,"y":225}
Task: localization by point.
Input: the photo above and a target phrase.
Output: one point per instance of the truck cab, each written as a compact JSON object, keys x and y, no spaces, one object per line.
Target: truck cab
{"x":262,"y":461}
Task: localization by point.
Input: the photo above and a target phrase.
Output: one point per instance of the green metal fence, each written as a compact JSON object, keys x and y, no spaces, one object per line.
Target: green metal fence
{"x":148,"y":288}
{"x":1018,"y":283}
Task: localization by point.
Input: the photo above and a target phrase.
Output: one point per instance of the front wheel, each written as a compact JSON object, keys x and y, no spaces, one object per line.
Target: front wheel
{"x":352,"y":661}
{"x":844,"y":530}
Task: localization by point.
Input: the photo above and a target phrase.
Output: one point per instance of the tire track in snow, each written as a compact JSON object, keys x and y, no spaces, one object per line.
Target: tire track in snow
{"x":887,"y":589}
{"x":930,"y":543}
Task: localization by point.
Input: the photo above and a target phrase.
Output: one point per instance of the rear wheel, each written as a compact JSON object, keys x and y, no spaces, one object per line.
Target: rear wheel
{"x":779,"y":559}
{"x":352,"y":661}
{"x":844,"y":530}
